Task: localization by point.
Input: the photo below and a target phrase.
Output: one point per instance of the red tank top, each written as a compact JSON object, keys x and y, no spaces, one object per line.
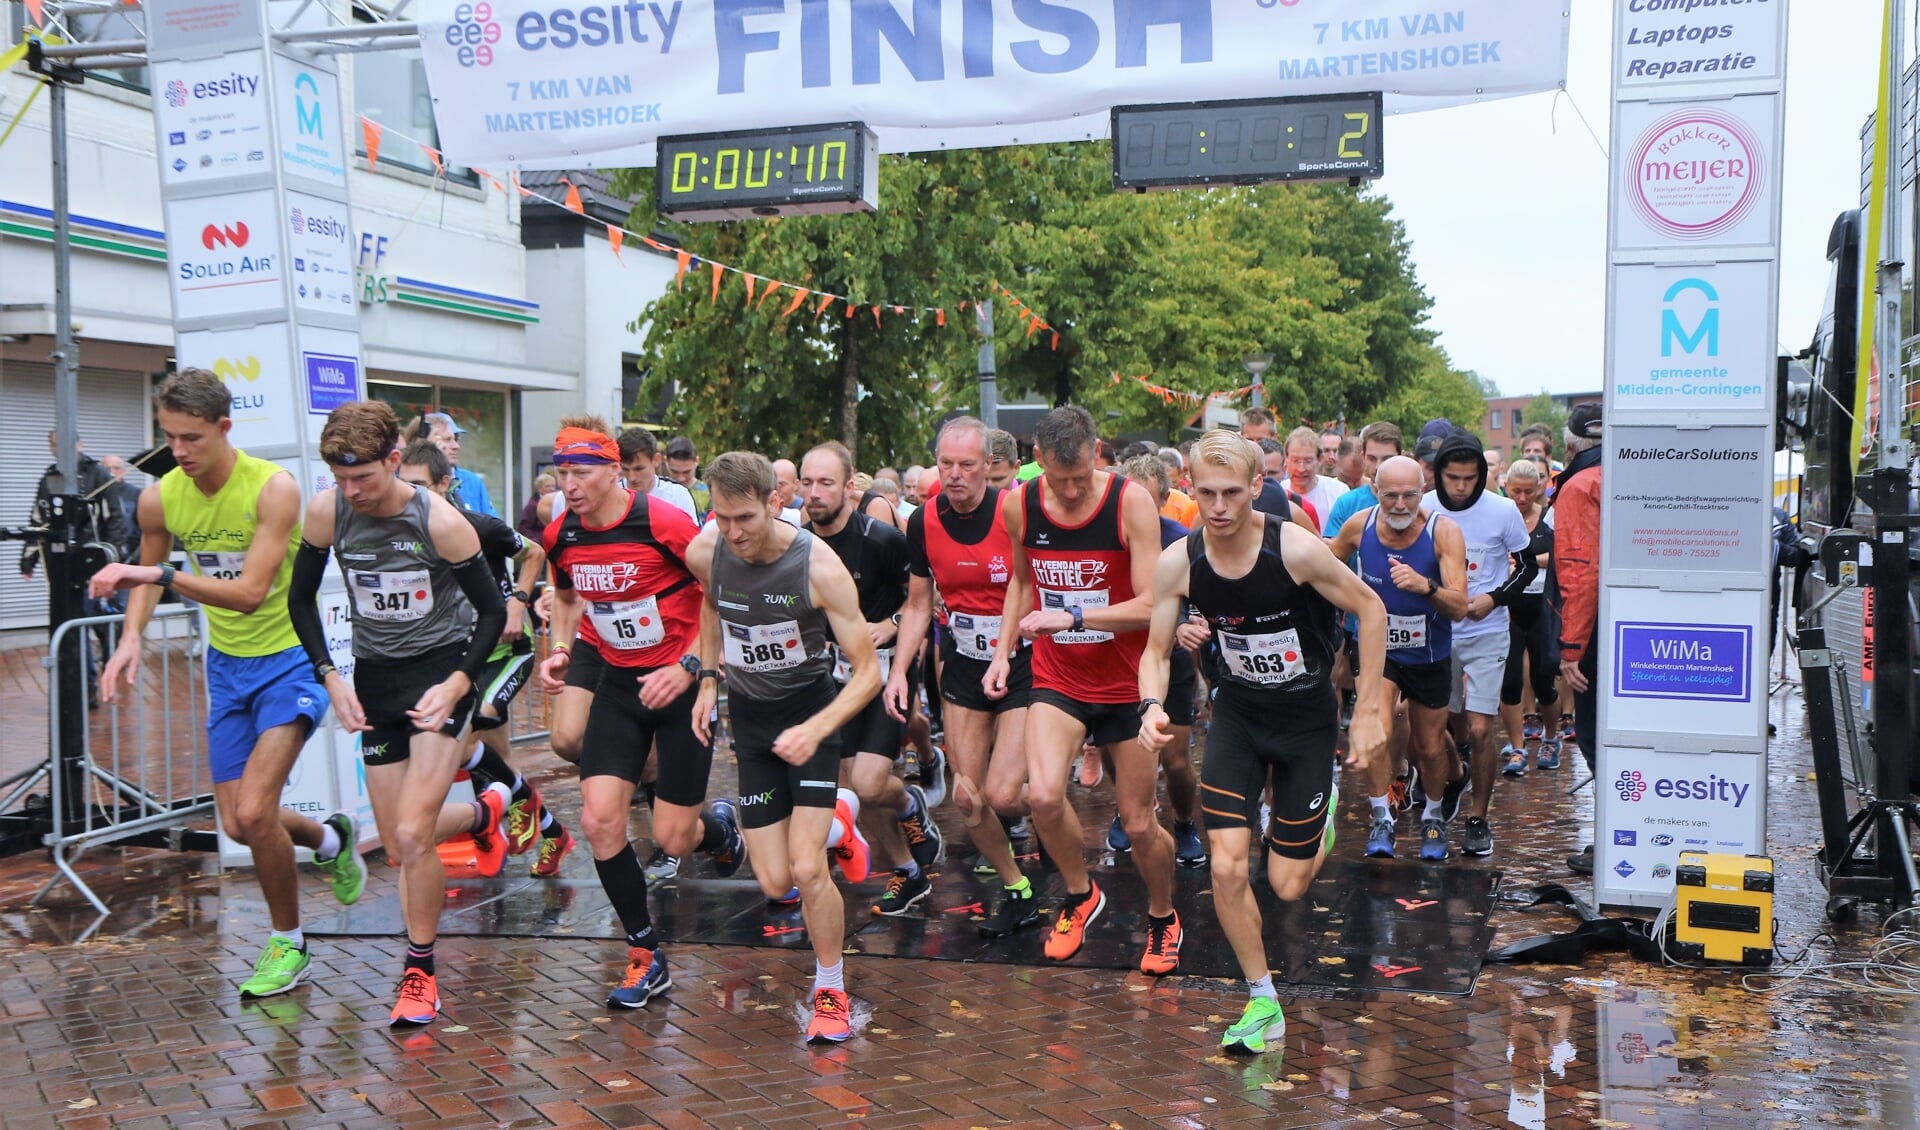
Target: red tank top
{"x":641,"y":600}
{"x":972,"y":578}
{"x":1088,"y":565}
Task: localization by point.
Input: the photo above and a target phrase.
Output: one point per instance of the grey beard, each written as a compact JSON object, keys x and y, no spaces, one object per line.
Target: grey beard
{"x":1399,"y":524}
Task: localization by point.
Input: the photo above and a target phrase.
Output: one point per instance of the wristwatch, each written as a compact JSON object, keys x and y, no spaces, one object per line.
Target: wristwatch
{"x":1431,"y":588}
{"x":1147,"y":704}
{"x":166,"y":575}
{"x":1079,"y":624}
{"x":523,"y":597}
{"x":690,"y":663}
{"x":708,"y":673}
{"x":322,"y":670}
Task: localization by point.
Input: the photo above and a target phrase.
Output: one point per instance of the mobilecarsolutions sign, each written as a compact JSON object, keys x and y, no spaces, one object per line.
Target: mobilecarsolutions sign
{"x":545,"y":84}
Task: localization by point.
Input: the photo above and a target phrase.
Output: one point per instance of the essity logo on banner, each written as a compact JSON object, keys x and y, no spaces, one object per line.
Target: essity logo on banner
{"x":176,"y":94}
{"x":1632,"y":785}
{"x":473,"y":33}
{"x":228,"y":235}
{"x":305,"y":223}
{"x":1696,"y":173}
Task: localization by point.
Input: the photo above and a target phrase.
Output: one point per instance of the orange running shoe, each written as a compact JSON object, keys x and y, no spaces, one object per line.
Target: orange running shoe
{"x":419,"y":999}
{"x":832,"y":1017}
{"x":853,"y":855}
{"x":490,"y":842}
{"x":1163,"y":948}
{"x":523,"y":823}
{"x":1070,"y":929}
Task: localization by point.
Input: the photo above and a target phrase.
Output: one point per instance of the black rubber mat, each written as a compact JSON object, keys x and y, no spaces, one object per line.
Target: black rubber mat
{"x":1365,"y":925}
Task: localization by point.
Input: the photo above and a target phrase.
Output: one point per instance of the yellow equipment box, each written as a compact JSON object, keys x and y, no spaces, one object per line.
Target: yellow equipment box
{"x":1723,"y":908}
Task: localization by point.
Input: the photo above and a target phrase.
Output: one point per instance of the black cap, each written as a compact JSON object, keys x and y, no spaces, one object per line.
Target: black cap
{"x":1584,"y":421}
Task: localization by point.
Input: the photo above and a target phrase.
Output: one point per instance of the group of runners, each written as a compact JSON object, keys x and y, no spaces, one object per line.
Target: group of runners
{"x":1058,"y":618}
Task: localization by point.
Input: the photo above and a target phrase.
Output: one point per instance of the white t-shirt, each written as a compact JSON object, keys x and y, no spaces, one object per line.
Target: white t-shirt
{"x":1325,"y":490}
{"x":1493,"y":529}
{"x":906,"y":510}
{"x":668,"y":491}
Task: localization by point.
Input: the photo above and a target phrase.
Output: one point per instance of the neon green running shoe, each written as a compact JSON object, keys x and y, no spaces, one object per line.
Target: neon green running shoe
{"x":1261,"y":1022}
{"x":1333,"y":810}
{"x":281,"y":967}
{"x":347,"y":872}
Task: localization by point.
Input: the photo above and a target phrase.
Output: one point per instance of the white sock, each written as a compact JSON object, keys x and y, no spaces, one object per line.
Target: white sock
{"x":294,"y":937}
{"x":1263,"y":987}
{"x":829,"y":976}
{"x":329,"y":843}
{"x":506,"y":794}
{"x":1381,"y":809}
{"x":473,"y":759}
{"x":1432,"y":810}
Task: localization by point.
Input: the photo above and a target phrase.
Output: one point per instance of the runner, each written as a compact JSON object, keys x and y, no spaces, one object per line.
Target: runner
{"x":1533,"y":662}
{"x":1084,"y":546}
{"x":426,"y":614}
{"x":239,"y":519}
{"x":1415,"y":562}
{"x":774,"y":593}
{"x":1496,"y":538}
{"x":640,"y":471}
{"x":485,"y":753}
{"x":875,"y":554}
{"x":619,"y":561}
{"x":1273,"y":595}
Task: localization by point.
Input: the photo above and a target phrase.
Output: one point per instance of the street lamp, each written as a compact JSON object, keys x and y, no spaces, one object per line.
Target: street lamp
{"x":1256,"y":364}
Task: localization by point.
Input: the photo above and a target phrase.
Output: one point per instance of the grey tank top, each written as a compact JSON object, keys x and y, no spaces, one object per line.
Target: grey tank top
{"x":405,"y":600}
{"x":773,"y":639}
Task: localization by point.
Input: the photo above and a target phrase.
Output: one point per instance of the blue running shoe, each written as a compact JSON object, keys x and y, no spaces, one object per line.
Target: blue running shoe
{"x":730,"y":855}
{"x":1549,"y":755}
{"x":1433,"y":840}
{"x":1380,"y":836}
{"x":646,"y":979}
{"x":1117,"y":839}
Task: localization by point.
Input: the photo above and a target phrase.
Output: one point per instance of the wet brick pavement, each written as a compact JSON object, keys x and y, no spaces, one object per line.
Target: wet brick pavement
{"x":141,"y":1026}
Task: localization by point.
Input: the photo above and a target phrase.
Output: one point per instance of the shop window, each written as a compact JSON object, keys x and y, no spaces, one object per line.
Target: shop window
{"x":483,"y":447}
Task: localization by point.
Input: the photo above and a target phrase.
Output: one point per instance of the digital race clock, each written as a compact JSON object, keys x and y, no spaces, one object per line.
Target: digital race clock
{"x":798,"y":171}
{"x":1247,"y":141}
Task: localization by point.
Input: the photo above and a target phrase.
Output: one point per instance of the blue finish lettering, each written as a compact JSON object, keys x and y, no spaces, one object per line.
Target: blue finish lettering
{"x":918,"y":47}
{"x":1077,"y":28}
{"x":732,"y":41}
{"x":976,"y":38}
{"x":816,"y":43}
{"x":1132,"y":18}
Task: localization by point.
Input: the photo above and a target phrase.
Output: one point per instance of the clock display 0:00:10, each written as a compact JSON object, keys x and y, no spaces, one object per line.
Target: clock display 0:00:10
{"x":738,"y":167}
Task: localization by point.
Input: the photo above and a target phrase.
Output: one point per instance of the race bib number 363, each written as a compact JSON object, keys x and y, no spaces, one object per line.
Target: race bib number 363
{"x":1269,"y":658}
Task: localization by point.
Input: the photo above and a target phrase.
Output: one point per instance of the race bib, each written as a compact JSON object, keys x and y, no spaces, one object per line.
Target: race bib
{"x":1480,"y":563}
{"x":628,"y":625}
{"x":1406,"y":632}
{"x":1538,"y":584}
{"x":219,"y":566}
{"x":1056,"y":600}
{"x":974,"y":636}
{"x":1270,"y":658}
{"x":394,"y":597}
{"x":765,"y":647}
{"x":843,"y":667}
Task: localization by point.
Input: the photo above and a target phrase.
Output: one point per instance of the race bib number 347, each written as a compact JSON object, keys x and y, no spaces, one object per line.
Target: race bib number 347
{"x":396,"y":597}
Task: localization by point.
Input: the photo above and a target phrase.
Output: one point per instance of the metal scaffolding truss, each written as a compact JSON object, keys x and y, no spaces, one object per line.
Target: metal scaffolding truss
{"x":110,"y":35}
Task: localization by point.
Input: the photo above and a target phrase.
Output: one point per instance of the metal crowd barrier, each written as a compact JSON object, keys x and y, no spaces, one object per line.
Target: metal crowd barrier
{"x":531,"y":718}
{"x":142,"y":765}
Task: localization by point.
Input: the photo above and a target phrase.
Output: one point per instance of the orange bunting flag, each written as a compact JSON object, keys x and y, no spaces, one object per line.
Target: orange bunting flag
{"x":1056,"y":341}
{"x":899,"y":309}
{"x":750,"y":288}
{"x":876,"y":315}
{"x":717,"y":268}
{"x":850,"y":309}
{"x":370,"y":133}
{"x":799,"y":296}
{"x":439,"y":166}
{"x":34,"y":10}
{"x":525,"y":192}
{"x":940,"y":317}
{"x":1033,"y":325}
{"x":616,"y":237}
{"x":826,"y":300}
{"x":573,"y":197}
{"x":772,"y":285}
{"x":681,"y":261}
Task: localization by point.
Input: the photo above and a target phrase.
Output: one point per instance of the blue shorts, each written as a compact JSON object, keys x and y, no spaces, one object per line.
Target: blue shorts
{"x":246,"y":697}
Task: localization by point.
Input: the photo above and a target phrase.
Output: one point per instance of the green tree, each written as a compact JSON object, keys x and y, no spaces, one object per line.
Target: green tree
{"x":1437,"y":391}
{"x":1544,"y":409}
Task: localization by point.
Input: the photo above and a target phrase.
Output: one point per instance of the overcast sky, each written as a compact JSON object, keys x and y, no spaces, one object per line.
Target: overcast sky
{"x":1506,"y":203}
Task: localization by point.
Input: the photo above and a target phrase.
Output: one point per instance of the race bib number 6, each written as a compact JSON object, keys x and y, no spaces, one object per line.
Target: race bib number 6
{"x":974,"y":636}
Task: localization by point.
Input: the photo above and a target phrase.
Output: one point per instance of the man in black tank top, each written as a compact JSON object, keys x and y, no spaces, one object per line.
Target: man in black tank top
{"x":768,"y":586}
{"x":1271,"y":592}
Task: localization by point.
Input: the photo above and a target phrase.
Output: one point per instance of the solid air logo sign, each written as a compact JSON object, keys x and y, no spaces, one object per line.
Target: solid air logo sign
{"x":1706,"y":329}
{"x":216,"y":235}
{"x":1695,"y":174}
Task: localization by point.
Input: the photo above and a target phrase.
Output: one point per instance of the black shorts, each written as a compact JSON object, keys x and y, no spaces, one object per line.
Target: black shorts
{"x":873,"y":730}
{"x":506,"y":674}
{"x":584,"y":666}
{"x":960,"y":680}
{"x":1428,"y":684}
{"x":1107,"y":723}
{"x":388,"y":688}
{"x":770,"y":789}
{"x":1251,"y":740}
{"x":1181,"y":687}
{"x":621,"y":731}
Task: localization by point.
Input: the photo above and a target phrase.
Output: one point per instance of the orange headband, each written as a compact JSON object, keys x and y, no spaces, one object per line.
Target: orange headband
{"x":584,"y":446}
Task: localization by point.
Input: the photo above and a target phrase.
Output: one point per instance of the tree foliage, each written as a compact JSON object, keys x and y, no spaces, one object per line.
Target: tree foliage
{"x":1544,"y":409}
{"x":1176,"y":287}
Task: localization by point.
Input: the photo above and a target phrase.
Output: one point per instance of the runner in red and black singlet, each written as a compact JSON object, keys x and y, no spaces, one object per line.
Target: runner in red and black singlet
{"x":958,"y":544}
{"x":1080,"y":587}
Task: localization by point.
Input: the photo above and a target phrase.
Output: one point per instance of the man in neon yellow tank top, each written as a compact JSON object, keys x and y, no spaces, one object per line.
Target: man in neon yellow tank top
{"x":239,"y":518}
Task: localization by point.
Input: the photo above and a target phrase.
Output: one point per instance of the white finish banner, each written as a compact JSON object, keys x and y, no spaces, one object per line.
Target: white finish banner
{"x":562,"y":83}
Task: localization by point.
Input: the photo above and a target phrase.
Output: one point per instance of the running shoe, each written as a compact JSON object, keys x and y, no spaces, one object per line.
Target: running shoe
{"x":728,"y":857}
{"x":1513,"y":761}
{"x":1117,"y":839}
{"x":852,"y":854}
{"x":523,"y":822}
{"x":419,"y":999}
{"x":1090,"y":772}
{"x":1531,"y":729}
{"x":1566,"y":730}
{"x":1333,"y":815}
{"x":1479,"y":837}
{"x":646,"y":979}
{"x":282,"y":965}
{"x":933,"y":778}
{"x":982,"y":867}
{"x":1019,"y":828}
{"x":923,"y":836}
{"x":903,"y":890}
{"x":791,"y":898}
{"x":1189,"y":850}
{"x":660,"y":866}
{"x":1548,"y":756}
{"x":1380,"y":836}
{"x":832,"y":1017}
{"x":1262,"y":1022}
{"x":1450,"y":800}
{"x":490,"y":841}
{"x":1163,"y":948}
{"x":1070,"y":928}
{"x":1399,"y":795}
{"x":1015,"y":912}
{"x":346,"y":872}
{"x":553,"y":849}
{"x":1433,"y":840}
{"x":1581,"y":862}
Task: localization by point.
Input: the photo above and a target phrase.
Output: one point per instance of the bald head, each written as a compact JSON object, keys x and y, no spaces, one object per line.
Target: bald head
{"x":786,"y":479}
{"x":1398,"y":475}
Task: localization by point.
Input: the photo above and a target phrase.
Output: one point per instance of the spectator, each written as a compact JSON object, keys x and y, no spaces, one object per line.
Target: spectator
{"x":469,"y":489}
{"x":126,"y":500}
{"x":529,"y":524}
{"x":1575,"y":582}
{"x":103,"y":520}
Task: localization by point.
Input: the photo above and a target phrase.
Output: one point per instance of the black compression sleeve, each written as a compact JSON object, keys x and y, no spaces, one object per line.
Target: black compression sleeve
{"x":309,"y":565}
{"x":490,"y":613}
{"x":1519,"y":580}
